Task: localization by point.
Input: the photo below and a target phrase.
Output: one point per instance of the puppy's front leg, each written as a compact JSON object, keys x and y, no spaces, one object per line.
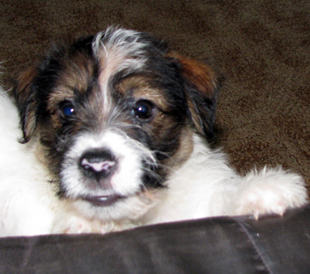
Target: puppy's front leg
{"x":270,"y":191}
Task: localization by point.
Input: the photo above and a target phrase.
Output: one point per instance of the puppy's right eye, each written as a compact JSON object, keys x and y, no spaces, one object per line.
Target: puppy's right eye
{"x":67,"y":110}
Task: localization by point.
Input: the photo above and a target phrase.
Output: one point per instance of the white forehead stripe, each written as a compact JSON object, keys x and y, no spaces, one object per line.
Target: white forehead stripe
{"x":116,"y":50}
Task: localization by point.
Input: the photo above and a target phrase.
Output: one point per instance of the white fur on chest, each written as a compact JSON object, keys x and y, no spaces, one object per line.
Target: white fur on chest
{"x":203,"y":186}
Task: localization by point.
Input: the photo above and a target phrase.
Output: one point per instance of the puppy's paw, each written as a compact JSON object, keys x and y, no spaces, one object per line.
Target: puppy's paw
{"x":270,"y":192}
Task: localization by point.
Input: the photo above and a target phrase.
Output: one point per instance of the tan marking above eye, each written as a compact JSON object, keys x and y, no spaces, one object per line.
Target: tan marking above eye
{"x":142,"y":88}
{"x":60,"y":94}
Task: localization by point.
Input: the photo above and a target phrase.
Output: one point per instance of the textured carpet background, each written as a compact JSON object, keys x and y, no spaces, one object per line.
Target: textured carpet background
{"x":261,"y":47}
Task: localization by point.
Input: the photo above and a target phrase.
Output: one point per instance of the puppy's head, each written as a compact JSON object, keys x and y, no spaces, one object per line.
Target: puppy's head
{"x":115,"y":114}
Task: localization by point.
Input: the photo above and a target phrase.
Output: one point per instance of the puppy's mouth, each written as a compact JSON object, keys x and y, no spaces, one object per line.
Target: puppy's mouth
{"x":103,"y":200}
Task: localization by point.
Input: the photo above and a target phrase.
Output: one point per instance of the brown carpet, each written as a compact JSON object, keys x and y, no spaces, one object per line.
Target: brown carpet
{"x":261,"y":47}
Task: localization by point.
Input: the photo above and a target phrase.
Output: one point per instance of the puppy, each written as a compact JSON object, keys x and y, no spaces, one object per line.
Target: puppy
{"x":116,"y":127}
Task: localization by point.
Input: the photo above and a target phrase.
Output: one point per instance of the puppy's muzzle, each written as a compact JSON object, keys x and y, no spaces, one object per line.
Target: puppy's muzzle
{"x":98,"y":164}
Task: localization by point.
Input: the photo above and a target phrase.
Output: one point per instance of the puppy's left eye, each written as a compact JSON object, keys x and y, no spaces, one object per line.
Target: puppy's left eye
{"x":143,"y":110}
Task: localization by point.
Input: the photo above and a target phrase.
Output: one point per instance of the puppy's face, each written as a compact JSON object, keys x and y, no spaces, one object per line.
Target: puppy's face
{"x":115,"y":114}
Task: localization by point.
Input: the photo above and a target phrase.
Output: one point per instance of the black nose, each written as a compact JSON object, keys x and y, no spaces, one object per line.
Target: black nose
{"x":97,"y":164}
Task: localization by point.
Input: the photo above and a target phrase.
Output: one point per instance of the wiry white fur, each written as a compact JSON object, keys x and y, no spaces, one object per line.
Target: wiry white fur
{"x":125,"y":182}
{"x":123,"y":40}
{"x":126,"y":150}
{"x":204,"y":186}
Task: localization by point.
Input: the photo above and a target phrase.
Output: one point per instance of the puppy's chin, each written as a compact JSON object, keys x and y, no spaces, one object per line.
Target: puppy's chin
{"x":115,"y":209}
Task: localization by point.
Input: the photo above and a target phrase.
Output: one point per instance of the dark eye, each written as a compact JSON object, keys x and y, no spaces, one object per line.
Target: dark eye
{"x":67,"y":109}
{"x":143,"y":110}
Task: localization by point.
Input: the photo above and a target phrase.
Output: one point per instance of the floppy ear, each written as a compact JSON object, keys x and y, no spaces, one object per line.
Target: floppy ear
{"x":24,"y":93}
{"x":202,"y":89}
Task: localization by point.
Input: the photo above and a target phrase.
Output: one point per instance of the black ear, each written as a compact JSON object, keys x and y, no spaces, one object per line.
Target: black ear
{"x":24,"y":93}
{"x":202,"y":90}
